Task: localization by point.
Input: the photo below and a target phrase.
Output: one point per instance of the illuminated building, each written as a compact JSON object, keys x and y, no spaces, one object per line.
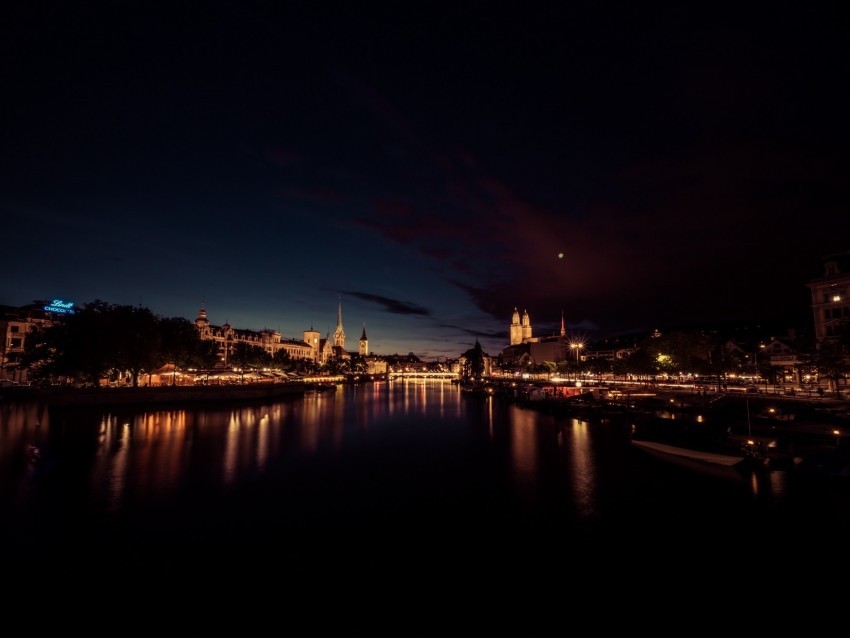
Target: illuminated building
{"x":16,"y":324}
{"x":269,"y":340}
{"x":525,"y":348}
{"x":364,"y":343}
{"x":831,"y":297}
{"x":520,"y":328}
{"x":312,"y":346}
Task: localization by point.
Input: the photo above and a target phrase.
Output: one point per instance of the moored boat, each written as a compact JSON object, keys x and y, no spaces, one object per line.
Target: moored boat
{"x":725,"y":466}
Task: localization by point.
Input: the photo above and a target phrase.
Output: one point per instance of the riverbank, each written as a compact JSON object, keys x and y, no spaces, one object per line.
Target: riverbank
{"x":70,"y":397}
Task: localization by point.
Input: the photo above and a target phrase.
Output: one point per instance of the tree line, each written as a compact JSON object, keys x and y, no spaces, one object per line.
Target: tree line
{"x":103,"y":340}
{"x":704,"y":353}
{"x":109,"y":341}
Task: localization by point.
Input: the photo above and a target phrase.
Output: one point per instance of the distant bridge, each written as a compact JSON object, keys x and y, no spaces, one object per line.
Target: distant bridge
{"x":421,"y":374}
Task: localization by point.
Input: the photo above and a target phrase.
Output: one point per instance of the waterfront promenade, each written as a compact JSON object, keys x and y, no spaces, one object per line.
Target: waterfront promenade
{"x":66,"y":396}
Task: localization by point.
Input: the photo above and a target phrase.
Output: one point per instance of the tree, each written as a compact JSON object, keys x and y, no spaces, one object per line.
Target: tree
{"x":338,"y":365}
{"x":135,"y":339}
{"x":205,"y":353}
{"x":247,"y":355}
{"x":181,"y":345}
{"x":282,"y":360}
{"x":641,"y":362}
{"x":358,"y":364}
{"x":40,"y":353}
{"x":305,"y":366}
{"x":563,"y":367}
{"x":473,"y":367}
{"x":79,"y":346}
{"x":599,"y":366}
{"x":832,"y":362}
{"x":546,"y":367}
{"x":681,"y":351}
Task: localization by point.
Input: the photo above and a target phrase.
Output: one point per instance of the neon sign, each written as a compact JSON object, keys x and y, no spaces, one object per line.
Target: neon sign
{"x":61,"y":307}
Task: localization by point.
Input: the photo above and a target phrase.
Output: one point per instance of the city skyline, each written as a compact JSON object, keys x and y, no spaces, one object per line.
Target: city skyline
{"x":769,"y":329}
{"x":431,"y":169}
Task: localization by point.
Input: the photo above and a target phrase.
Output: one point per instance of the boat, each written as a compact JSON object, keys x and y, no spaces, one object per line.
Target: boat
{"x":475,"y":387}
{"x":708,"y":447}
{"x":727,"y":460}
{"x":314,"y":389}
{"x":726,"y":466}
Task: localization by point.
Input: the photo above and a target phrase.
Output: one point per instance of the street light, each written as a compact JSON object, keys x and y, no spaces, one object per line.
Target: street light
{"x":577,"y":346}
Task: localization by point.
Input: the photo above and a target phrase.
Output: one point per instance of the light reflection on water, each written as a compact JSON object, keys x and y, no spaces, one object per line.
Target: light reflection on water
{"x":583,"y":475}
{"x":523,"y":447}
{"x":408,"y":459}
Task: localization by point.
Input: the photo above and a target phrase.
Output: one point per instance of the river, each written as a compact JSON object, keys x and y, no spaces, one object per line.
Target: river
{"x":402,"y":480}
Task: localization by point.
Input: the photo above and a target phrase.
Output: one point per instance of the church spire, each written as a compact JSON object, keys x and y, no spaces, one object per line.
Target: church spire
{"x":364,"y":343}
{"x":339,"y":333}
{"x":563,"y":327}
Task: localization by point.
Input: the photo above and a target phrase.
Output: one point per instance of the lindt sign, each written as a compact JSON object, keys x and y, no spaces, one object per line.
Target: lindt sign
{"x":61,"y":307}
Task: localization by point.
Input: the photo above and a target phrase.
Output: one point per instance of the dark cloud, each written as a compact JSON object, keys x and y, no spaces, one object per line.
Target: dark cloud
{"x":393,"y":306}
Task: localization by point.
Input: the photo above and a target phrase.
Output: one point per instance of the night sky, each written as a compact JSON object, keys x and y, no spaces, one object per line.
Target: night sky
{"x":430,"y":166}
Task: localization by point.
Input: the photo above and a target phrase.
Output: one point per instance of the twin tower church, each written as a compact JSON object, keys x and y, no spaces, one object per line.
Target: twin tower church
{"x":526,"y":348}
{"x":521,"y":329}
{"x":312,"y":347}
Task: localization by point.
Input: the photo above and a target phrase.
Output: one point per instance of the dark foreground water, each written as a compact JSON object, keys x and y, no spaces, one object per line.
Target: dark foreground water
{"x":388,"y":488}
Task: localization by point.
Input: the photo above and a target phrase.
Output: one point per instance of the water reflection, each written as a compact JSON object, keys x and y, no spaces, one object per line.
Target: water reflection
{"x":582,"y":463}
{"x":352,"y":468}
{"x":523,"y":447}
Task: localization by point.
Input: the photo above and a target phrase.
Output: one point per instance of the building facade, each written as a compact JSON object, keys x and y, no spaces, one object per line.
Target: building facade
{"x":269,"y":340}
{"x":314,"y":340}
{"x":831,"y":297}
{"x":16,"y":324}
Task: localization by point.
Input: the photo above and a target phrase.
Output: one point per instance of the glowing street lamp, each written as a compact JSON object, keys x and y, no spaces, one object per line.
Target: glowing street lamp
{"x":577,"y":346}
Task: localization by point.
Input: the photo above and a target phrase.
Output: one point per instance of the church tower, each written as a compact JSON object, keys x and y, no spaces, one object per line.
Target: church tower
{"x":339,"y":333}
{"x":313,"y":338}
{"x":202,"y":323}
{"x":526,"y":326}
{"x":516,"y":329}
{"x":563,"y":327}
{"x":364,"y":343}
